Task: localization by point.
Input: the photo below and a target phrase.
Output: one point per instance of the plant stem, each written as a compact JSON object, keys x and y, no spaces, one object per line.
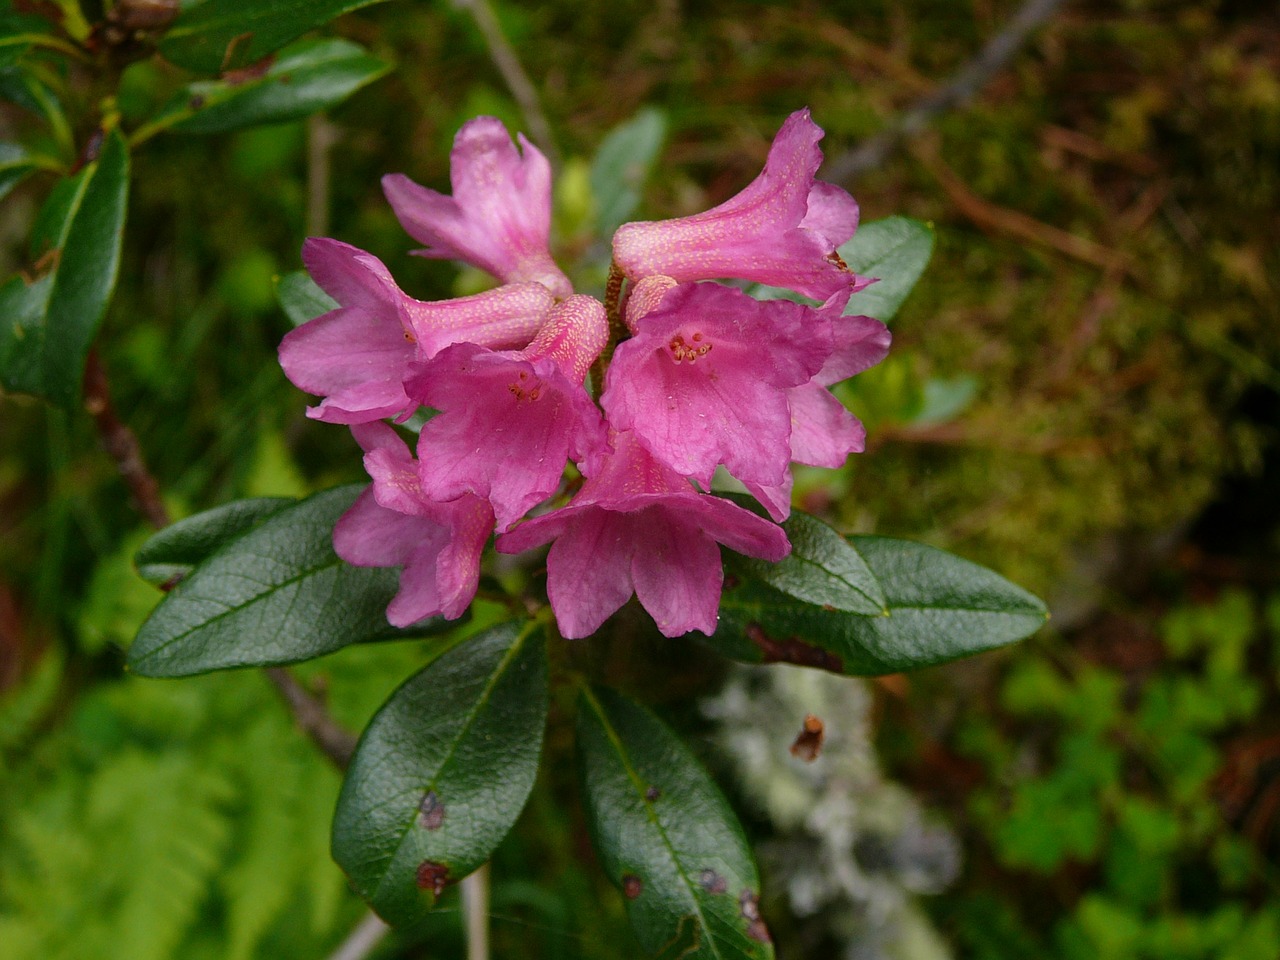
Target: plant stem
{"x":518,"y":82}
{"x":963,"y":85}
{"x":362,"y":940}
{"x":121,"y":444}
{"x":475,"y":905}
{"x":335,"y":742}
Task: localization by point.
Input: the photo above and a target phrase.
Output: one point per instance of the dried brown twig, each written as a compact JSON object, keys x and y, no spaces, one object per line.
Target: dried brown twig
{"x":962,"y":86}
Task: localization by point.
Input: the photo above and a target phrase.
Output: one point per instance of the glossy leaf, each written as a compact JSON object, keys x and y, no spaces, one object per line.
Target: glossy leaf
{"x":443,"y":771}
{"x":223,"y":35}
{"x":301,"y":298}
{"x":941,"y":607}
{"x":896,"y":250}
{"x":308,"y":77}
{"x":43,"y":346}
{"x":667,"y":837}
{"x":823,"y":568}
{"x":622,"y":165}
{"x":180,"y":547}
{"x":276,"y":594}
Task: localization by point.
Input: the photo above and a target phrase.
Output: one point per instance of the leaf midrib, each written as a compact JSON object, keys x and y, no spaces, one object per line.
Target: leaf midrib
{"x":652,"y":815}
{"x":230,"y":611}
{"x":516,"y":646}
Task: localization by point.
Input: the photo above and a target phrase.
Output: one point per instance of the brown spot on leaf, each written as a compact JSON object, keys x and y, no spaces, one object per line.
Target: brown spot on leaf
{"x":631,"y":886}
{"x":808,"y":742}
{"x":430,"y":811}
{"x":712,"y":882}
{"x":749,"y":907}
{"x":254,"y":71}
{"x":731,"y":582}
{"x":195,"y":103}
{"x":792,"y":650}
{"x":432,"y":876}
{"x":652,"y":794}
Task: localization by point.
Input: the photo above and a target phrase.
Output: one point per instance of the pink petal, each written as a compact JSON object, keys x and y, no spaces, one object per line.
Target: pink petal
{"x":766,"y":233}
{"x":353,"y":277}
{"x":678,"y":574}
{"x":499,"y":216}
{"x":589,"y":571}
{"x":704,"y":380}
{"x":355,"y":359}
{"x":776,"y":498}
{"x":831,"y":214}
{"x":505,"y":430}
{"x":860,"y":343}
{"x":823,"y":432}
{"x":370,"y":535}
{"x":505,"y":317}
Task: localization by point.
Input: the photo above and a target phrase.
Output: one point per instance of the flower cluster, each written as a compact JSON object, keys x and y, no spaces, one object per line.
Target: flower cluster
{"x":704,"y":377}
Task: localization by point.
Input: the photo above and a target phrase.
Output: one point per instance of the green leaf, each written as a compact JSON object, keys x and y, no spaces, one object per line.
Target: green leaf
{"x":18,"y":31}
{"x":823,"y":568}
{"x":443,"y":771}
{"x":176,"y":550}
{"x":275,"y":594}
{"x":895,"y":250}
{"x":223,"y":35}
{"x":308,"y":77}
{"x":622,"y":165}
{"x":15,"y":165}
{"x":667,"y":837}
{"x":941,"y":607}
{"x":44,"y":344}
{"x":301,"y":298}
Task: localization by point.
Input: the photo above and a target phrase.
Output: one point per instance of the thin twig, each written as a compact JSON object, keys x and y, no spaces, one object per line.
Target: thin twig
{"x":362,"y":940}
{"x":513,"y":74}
{"x":475,"y":903}
{"x":334,"y":742}
{"x":1014,"y":223}
{"x":966,"y":82}
{"x":321,"y":137}
{"x":121,"y":444}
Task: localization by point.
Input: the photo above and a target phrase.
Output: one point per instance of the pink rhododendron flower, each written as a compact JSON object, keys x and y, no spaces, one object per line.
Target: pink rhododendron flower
{"x":393,"y":524}
{"x":704,"y":380}
{"x":509,"y":421}
{"x":783,"y":229}
{"x":638,"y":527}
{"x":358,"y":355}
{"x":499,"y":217}
{"x":823,"y":432}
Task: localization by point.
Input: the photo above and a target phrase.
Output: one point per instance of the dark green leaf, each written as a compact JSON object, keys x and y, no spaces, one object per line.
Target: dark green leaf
{"x":896,"y":250}
{"x":276,"y":594}
{"x":823,"y":568}
{"x":222,"y":35}
{"x":667,"y":837}
{"x":622,"y":165}
{"x":301,"y":298}
{"x":443,"y":771}
{"x":309,"y":76}
{"x":941,"y":607}
{"x":83,"y":226}
{"x":177,"y":549}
